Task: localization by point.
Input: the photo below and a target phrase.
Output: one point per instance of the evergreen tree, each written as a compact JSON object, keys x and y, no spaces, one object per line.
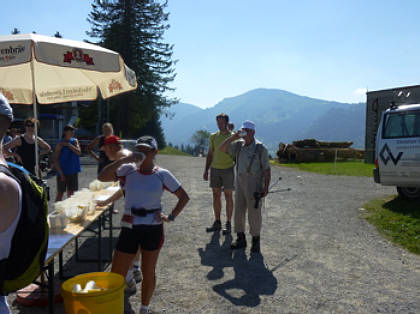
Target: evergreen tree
{"x":189,"y":149}
{"x":201,"y":138}
{"x":135,"y":28}
{"x":15,"y":31}
{"x":58,"y":35}
{"x":153,"y":127}
{"x":88,"y":115}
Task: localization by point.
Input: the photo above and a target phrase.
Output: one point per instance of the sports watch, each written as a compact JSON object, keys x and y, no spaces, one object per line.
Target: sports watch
{"x":171,"y":217}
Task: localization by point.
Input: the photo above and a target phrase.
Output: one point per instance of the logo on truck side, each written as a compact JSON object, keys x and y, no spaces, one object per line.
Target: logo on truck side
{"x":386,"y":155}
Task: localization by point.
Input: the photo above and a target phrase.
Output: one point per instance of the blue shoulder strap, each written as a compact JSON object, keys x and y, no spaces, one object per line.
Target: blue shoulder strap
{"x":11,"y":164}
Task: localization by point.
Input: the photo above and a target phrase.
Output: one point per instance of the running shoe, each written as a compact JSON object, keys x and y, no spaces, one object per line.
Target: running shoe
{"x":217,"y":226}
{"x":137,"y":275}
{"x":228,"y":228}
{"x":130,"y":286}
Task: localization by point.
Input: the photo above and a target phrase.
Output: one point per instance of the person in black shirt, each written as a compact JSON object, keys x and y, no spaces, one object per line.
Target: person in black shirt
{"x":24,"y":145}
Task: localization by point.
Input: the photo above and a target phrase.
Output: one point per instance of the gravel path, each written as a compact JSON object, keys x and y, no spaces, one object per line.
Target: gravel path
{"x":318,"y":255}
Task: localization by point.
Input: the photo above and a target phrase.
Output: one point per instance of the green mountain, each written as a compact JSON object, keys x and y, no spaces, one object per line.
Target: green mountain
{"x":341,"y":124}
{"x":280,"y":116}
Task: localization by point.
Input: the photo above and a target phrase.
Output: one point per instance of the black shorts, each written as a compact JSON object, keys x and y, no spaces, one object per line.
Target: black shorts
{"x":146,"y":237}
{"x":71,"y":183}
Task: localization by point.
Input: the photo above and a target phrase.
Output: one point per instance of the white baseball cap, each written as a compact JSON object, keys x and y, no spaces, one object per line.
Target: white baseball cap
{"x":147,"y":141}
{"x":5,"y":108}
{"x":248,"y":125}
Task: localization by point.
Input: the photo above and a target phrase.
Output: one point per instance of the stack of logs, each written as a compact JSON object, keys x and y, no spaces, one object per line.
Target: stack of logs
{"x":311,"y":150}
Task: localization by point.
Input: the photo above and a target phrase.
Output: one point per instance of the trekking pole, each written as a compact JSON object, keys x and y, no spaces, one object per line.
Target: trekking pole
{"x":258,"y":196}
{"x":281,"y":190}
{"x":275,"y":183}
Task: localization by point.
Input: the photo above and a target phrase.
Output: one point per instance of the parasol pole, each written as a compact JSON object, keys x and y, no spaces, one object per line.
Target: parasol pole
{"x":37,"y":172}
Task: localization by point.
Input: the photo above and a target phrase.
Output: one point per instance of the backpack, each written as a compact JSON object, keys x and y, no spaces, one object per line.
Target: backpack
{"x":30,"y":241}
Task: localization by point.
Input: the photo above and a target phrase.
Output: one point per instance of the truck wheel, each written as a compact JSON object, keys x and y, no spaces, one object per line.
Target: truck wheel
{"x":409,"y":193}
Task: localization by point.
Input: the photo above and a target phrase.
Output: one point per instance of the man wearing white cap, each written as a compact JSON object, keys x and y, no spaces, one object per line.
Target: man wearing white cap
{"x":253,"y":176}
{"x":10,"y":197}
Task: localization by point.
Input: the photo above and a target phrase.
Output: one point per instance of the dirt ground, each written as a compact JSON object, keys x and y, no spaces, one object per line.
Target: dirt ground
{"x":318,"y":255}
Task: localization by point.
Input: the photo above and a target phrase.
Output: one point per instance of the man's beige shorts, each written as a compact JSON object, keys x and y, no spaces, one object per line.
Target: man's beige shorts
{"x":222,"y":178}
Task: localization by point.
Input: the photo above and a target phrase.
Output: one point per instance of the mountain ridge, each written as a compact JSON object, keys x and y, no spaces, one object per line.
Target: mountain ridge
{"x":280,"y":116}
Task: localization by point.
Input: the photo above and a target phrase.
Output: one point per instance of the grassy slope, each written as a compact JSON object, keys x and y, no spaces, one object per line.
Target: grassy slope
{"x":397,"y":219}
{"x":344,"y":168}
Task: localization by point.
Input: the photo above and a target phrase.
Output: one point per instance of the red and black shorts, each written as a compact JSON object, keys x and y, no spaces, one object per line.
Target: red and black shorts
{"x":145,"y":237}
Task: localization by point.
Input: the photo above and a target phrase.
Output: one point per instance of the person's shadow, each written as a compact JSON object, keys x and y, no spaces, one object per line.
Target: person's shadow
{"x":252,"y":277}
{"x":216,"y":255}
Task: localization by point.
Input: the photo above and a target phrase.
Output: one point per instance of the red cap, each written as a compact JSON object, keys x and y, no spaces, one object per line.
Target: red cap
{"x":112,"y":139}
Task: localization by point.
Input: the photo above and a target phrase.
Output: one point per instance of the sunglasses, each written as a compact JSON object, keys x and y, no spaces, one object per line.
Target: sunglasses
{"x":30,"y":125}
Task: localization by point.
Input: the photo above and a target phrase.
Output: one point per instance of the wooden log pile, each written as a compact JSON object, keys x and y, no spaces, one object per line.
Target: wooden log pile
{"x":313,"y":143}
{"x":311,"y":150}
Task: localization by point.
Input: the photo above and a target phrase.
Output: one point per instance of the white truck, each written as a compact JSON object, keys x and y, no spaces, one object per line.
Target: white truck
{"x":397,"y":157}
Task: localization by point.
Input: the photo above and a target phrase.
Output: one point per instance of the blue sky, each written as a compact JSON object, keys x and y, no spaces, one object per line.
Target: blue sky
{"x":331,"y":50}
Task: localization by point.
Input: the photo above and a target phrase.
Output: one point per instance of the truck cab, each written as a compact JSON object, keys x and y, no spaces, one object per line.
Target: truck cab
{"x":397,"y":157}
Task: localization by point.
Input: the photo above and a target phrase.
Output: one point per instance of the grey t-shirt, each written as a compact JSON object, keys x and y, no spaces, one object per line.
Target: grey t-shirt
{"x":261,"y":161}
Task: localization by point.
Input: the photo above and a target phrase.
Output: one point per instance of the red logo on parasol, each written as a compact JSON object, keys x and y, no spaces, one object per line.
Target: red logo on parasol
{"x":78,"y":56}
{"x":114,"y":85}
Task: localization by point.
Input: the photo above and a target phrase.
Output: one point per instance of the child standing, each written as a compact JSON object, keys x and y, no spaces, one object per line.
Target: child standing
{"x":67,"y":163}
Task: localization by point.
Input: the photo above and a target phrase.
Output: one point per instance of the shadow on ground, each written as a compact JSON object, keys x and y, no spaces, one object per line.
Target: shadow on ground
{"x":405,"y":207}
{"x":75,"y":264}
{"x":251,"y":280}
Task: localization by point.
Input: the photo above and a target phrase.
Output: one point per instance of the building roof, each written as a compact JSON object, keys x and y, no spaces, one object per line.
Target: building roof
{"x":394,"y":89}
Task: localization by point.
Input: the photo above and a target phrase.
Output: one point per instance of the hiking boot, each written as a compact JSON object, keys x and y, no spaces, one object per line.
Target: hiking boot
{"x":255,"y":248}
{"x":130,"y":286}
{"x":240,"y":242}
{"x":217,"y":226}
{"x":137,"y":275}
{"x":228,"y":228}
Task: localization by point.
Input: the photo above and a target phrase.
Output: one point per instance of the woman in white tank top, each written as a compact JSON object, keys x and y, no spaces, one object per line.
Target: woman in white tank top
{"x":142,"y":223}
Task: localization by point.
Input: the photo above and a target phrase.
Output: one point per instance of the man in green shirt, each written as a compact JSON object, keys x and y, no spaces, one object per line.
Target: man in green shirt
{"x":221,"y":174}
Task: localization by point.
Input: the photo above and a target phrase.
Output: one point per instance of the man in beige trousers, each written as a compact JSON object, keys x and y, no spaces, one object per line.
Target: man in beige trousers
{"x":253,"y":176}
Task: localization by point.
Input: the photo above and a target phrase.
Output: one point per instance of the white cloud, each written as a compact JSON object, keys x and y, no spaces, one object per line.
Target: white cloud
{"x":360,"y":91}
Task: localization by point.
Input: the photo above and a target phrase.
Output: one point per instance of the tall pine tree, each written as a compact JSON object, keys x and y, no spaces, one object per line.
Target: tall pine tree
{"x":135,"y":28}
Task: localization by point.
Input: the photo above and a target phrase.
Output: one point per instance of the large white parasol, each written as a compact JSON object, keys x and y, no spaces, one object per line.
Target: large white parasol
{"x":46,"y":70}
